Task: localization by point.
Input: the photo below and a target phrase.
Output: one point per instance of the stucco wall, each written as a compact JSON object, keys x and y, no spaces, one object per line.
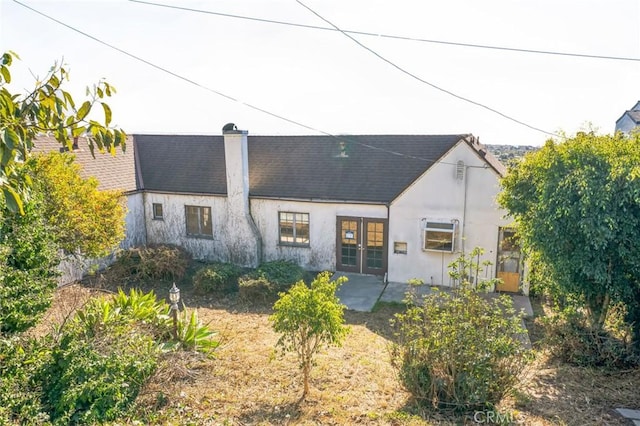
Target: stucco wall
{"x":172,"y":228}
{"x":134,"y":222}
{"x":321,"y":253}
{"x":440,"y":196}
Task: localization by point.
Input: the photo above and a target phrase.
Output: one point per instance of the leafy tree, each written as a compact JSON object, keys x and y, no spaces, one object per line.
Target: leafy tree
{"x":48,"y":108}
{"x":309,"y":319}
{"x":577,"y":206}
{"x":82,"y":217}
{"x":28,"y":266}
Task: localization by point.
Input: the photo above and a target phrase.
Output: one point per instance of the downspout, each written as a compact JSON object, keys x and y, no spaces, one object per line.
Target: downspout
{"x":464,"y":209}
{"x":256,"y":233}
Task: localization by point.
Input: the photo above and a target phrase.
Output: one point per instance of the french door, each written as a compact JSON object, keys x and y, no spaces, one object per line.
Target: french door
{"x":361,"y":245}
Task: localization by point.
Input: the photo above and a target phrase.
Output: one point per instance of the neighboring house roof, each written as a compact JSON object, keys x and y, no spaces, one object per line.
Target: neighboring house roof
{"x":112,"y":172}
{"x":371,"y":168}
{"x":633,"y":114}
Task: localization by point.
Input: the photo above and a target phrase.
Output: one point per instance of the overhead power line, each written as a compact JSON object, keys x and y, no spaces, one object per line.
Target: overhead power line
{"x":421,"y":80}
{"x":395,"y":37}
{"x":231,"y":98}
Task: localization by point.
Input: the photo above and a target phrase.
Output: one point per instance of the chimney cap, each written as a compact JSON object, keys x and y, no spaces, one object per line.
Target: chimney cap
{"x":229,"y":127}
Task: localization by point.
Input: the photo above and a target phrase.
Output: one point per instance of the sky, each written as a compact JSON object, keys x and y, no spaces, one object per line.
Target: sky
{"x":186,"y":72}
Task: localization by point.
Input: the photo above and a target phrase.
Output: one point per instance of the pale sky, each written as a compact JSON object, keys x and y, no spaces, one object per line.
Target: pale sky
{"x":324,"y":80}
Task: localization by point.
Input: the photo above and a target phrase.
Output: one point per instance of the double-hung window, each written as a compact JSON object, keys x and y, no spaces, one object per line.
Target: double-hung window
{"x":440,"y":236}
{"x":198,"y":221}
{"x":294,"y":228}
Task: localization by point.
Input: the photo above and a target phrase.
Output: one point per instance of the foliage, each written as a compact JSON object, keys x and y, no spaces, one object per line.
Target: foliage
{"x":193,"y":335}
{"x":468,"y":269}
{"x":20,"y":398}
{"x":569,"y":336}
{"x":83,"y":218}
{"x":309,"y":319}
{"x":255,"y":289}
{"x":48,"y":108}
{"x":216,"y":278}
{"x":152,"y":262}
{"x":281,"y":273}
{"x":457,"y":350}
{"x":577,"y":207}
{"x":96,"y":379}
{"x":28,"y":262}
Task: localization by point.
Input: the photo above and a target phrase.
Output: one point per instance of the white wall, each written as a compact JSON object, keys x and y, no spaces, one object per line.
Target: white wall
{"x":440,"y":196}
{"x":172,"y":229}
{"x":321,"y":253}
{"x":135,"y":234}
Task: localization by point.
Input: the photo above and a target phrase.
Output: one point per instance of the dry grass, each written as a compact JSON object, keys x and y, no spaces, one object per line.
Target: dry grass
{"x":248,"y":383}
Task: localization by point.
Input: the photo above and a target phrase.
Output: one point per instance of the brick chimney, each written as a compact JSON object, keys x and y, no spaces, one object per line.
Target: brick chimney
{"x":244,"y":242}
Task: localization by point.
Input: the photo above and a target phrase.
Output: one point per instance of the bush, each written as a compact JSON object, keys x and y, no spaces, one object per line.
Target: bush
{"x":155,"y":262}
{"x":570,"y":337}
{"x":216,"y":278}
{"x":252,"y":289}
{"x":20,"y":395}
{"x":28,"y":268}
{"x":281,"y":273}
{"x":459,"y":351}
{"x":96,"y":380}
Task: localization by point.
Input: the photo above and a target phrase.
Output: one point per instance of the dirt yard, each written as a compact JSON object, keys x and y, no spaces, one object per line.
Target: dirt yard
{"x":248,"y":383}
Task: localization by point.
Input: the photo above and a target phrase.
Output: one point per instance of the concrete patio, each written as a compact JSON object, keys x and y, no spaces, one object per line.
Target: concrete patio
{"x":362,"y":292}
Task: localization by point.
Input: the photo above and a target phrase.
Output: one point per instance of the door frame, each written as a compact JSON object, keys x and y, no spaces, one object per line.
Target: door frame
{"x":361,"y":258}
{"x":510,"y":281}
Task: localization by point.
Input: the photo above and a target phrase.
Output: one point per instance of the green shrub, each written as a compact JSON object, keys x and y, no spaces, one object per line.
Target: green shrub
{"x":20,"y":395}
{"x":216,"y":278}
{"x":281,"y":273}
{"x":155,"y":262}
{"x":193,"y":335}
{"x":570,"y":337}
{"x":28,"y":268}
{"x":256,"y":289}
{"x":96,"y":380}
{"x":459,"y":351}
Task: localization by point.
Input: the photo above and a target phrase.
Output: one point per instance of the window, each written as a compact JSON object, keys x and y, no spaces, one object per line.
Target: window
{"x":439,"y":236}
{"x":294,"y":228}
{"x":157,"y":211}
{"x":198,"y":221}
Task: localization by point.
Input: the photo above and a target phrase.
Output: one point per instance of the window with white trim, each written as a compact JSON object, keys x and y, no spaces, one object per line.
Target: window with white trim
{"x":440,"y":236}
{"x":294,"y":228}
{"x":198,"y":220}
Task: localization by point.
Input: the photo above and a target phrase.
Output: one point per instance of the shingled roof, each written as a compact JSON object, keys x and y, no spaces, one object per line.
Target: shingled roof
{"x":371,"y":168}
{"x":112,"y":172}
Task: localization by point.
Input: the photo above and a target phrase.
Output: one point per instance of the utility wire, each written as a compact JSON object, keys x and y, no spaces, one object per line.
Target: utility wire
{"x":231,"y":98}
{"x":395,"y":37}
{"x":434,"y":86}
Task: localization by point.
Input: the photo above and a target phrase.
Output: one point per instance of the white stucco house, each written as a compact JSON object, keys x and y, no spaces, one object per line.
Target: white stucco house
{"x":629,"y":120}
{"x":399,"y":206}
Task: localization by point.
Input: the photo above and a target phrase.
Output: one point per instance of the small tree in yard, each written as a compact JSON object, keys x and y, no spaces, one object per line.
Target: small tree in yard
{"x":308,"y":319}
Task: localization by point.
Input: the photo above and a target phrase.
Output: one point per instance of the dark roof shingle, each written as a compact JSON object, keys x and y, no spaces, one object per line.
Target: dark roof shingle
{"x":372,"y":168}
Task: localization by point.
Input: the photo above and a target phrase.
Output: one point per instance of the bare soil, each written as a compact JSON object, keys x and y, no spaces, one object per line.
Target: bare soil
{"x":249,"y":383}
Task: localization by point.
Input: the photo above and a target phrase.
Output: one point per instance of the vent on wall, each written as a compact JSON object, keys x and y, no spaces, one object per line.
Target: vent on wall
{"x":460,"y":170}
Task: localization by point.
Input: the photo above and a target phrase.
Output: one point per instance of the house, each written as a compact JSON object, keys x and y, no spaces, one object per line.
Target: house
{"x":399,"y":206}
{"x":629,"y":120}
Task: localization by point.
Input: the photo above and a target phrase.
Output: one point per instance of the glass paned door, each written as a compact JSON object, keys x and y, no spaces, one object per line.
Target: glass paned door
{"x":361,"y":245}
